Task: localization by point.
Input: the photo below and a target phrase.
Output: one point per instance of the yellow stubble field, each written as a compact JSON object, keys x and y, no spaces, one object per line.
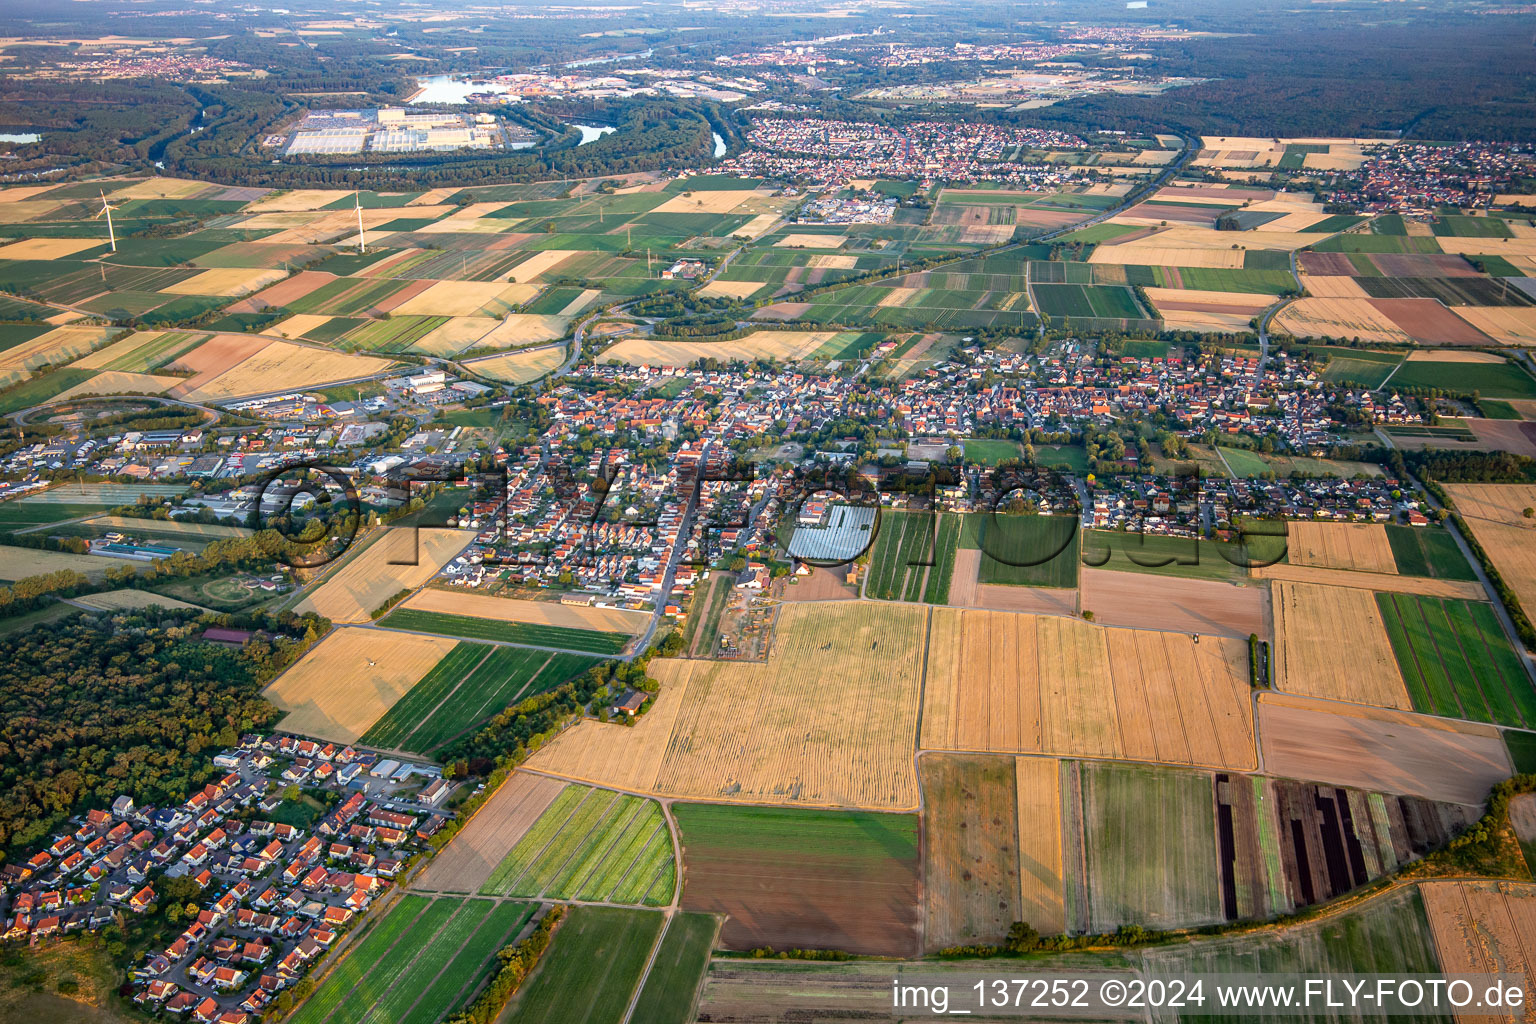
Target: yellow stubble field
{"x":775,"y":731}
{"x":519,"y":367}
{"x":1007,"y":682}
{"x":282,"y":366}
{"x":228,"y":281}
{"x":461,"y":601}
{"x":348,"y":680}
{"x":785,"y":345}
{"x":1333,"y":644}
{"x":1482,"y":927}
{"x":382,"y":569}
{"x":1361,"y":547}
{"x":1496,"y":515}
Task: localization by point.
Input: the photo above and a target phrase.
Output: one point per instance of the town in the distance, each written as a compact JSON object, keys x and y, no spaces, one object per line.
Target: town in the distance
{"x":763,"y":512}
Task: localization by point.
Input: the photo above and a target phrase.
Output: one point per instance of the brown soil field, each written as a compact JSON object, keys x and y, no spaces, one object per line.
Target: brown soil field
{"x":1332,"y":643}
{"x":284,"y":292}
{"x":1517,"y":436}
{"x":1326,"y":264}
{"x":819,"y":899}
{"x":1494,"y":514}
{"x":460,"y":601}
{"x":214,"y":356}
{"x":1484,"y":928}
{"x":468,"y":860}
{"x":1006,"y":683}
{"x":970,"y":849}
{"x":1372,"y":581}
{"x":349,"y":679}
{"x":1041,"y":867}
{"x":1380,"y":749}
{"x":1340,"y":318}
{"x":367,"y":579}
{"x":1428,"y":322}
{"x":774,"y":732}
{"x":1144,"y":214}
{"x":821,"y":585}
{"x":782,"y":310}
{"x":1146,"y":601}
{"x":963,"y":588}
{"x":279,"y":366}
{"x":1397,"y":264}
{"x":1036,"y":600}
{"x":1359,"y":547}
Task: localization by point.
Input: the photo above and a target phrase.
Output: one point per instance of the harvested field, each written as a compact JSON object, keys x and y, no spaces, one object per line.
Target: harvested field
{"x":1331,"y":643}
{"x":1150,"y":252}
{"x":519,"y":367}
{"x":1196,"y":301}
{"x":467,"y":298}
{"x":367,"y":579}
{"x":1358,"y":547}
{"x":1373,"y":581}
{"x":139,"y":352}
{"x":785,"y":345}
{"x":773,"y":732}
{"x":117,"y":383}
{"x":963,"y":587}
{"x":467,"y":861}
{"x":1333,"y":287}
{"x":456,"y":335}
{"x":1145,"y":601}
{"x":1340,"y":318}
{"x":808,"y":879}
{"x":800,"y":241}
{"x":1508,"y":325}
{"x":1380,"y":749}
{"x":351,"y":678}
{"x":1041,"y":864}
{"x":132,"y":600}
{"x":168,"y":527}
{"x":1494,"y":513}
{"x":58,"y":346}
{"x":19,"y":563}
{"x":279,"y":366}
{"x":539,"y":263}
{"x":731,"y":289}
{"x":1006,"y":683}
{"x":549,"y":613}
{"x":1483,"y":928}
{"x":1150,"y":836}
{"x":723,"y":201}
{"x":971,"y":882}
{"x":230,"y":282}
{"x":1492,"y":358}
{"x":47,"y":248}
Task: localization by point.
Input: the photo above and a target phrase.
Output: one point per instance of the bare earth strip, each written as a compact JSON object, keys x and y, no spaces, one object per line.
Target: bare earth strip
{"x":1332,"y":643}
{"x":1373,"y":581}
{"x":1146,"y":601}
{"x":503,"y":609}
{"x":467,"y":861}
{"x":1379,"y":749}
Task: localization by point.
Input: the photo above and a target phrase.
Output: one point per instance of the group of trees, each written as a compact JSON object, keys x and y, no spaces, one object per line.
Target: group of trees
{"x":99,"y":706}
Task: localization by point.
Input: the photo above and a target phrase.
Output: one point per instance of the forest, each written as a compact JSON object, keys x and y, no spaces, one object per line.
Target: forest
{"x":101,"y":705}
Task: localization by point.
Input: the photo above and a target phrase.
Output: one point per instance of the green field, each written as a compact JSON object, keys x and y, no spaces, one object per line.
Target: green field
{"x":860,"y":837}
{"x":672,"y":987}
{"x":990,"y":451}
{"x":1360,"y":366}
{"x":1522,"y":750}
{"x":1428,"y":551}
{"x":593,"y":845}
{"x":590,"y":971}
{"x":1024,"y":550}
{"x":1150,"y":836}
{"x":1185,"y":557}
{"x":531,"y":634}
{"x":1456,"y":661}
{"x":18,"y":515}
{"x":913,"y":557}
{"x":418,"y":964}
{"x":1079,"y":301}
{"x":1491,"y":380}
{"x":1243,"y":462}
{"x":474,"y":682}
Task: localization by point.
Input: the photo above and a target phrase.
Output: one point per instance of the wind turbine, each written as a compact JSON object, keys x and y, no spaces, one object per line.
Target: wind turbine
{"x":362,"y":244}
{"x":106,"y":208}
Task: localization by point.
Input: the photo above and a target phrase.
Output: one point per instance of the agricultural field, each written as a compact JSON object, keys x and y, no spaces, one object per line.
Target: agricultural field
{"x":672,"y":986}
{"x":1495,"y":515}
{"x":19,"y":563}
{"x":474,"y":682}
{"x":131,"y":600}
{"x":810,"y":744}
{"x":1380,"y":749}
{"x":343,"y":684}
{"x":591,"y":845}
{"x":1024,"y":550}
{"x":1331,"y":642}
{"x":971,"y":859}
{"x":913,"y":557}
{"x":459,"y":601}
{"x":1497,"y":379}
{"x":1422,"y":551}
{"x":590,"y":972}
{"x":465,"y":864}
{"x":1456,"y":661}
{"x":1359,"y":547}
{"x":1482,"y":927}
{"x":1002,"y":682}
{"x":534,"y":634}
{"x":417,"y":964}
{"x":791,"y":878}
{"x":1378,"y":581}
{"x":394,"y":560}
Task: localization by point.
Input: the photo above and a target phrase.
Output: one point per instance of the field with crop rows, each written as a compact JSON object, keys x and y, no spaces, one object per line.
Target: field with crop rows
{"x":591,"y":969}
{"x":1456,"y":660}
{"x":528,"y":633}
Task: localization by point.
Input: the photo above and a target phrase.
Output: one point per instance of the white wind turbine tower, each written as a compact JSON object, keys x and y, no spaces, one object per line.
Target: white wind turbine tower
{"x":106,"y":208}
{"x":362,"y":245}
